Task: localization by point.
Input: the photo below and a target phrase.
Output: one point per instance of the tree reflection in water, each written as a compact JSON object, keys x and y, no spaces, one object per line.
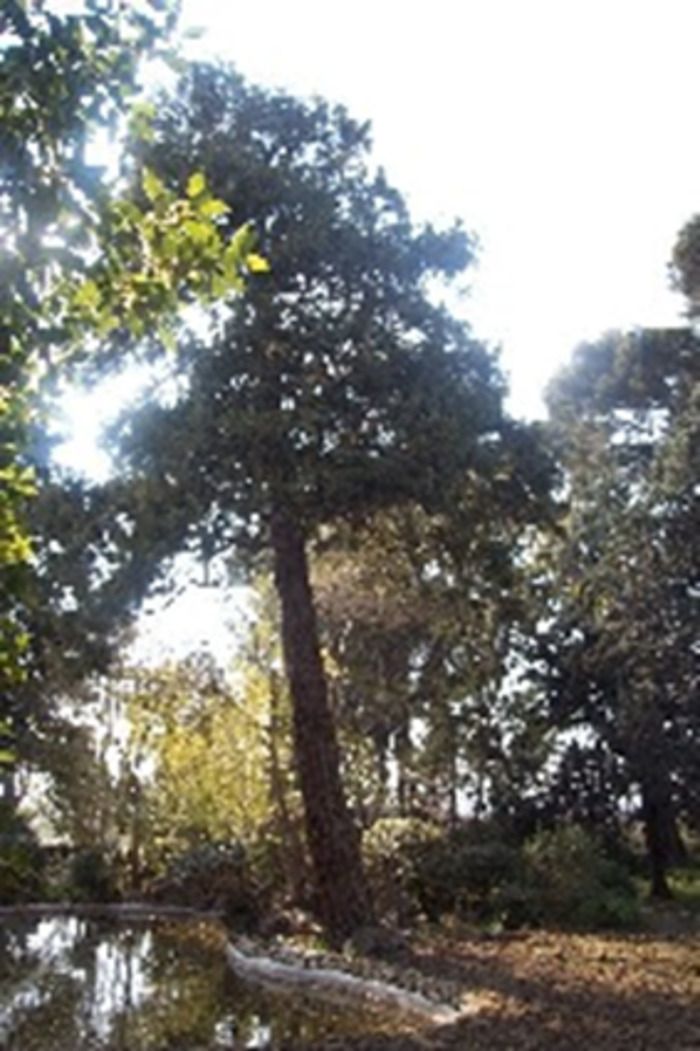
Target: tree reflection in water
{"x":99,"y":986}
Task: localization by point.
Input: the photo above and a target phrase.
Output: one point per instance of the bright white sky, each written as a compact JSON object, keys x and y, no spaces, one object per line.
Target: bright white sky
{"x":564,"y":134}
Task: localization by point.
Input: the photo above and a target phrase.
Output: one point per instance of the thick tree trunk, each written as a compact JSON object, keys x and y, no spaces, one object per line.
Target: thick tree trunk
{"x":343,"y":903}
{"x":294,"y":861}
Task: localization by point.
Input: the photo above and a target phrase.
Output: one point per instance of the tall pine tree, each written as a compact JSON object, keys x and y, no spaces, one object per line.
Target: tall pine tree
{"x":336,"y":387}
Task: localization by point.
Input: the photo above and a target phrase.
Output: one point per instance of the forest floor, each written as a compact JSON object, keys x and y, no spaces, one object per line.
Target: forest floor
{"x":545,"y":991}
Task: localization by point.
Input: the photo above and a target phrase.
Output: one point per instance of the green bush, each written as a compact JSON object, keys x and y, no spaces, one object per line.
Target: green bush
{"x":91,"y":878}
{"x":392,"y":849}
{"x":464,"y":875}
{"x":570,"y":882}
{"x":213,"y":876}
{"x":561,"y":877}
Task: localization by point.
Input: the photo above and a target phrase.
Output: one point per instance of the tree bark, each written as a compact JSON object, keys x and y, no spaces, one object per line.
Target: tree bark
{"x":342,"y":898}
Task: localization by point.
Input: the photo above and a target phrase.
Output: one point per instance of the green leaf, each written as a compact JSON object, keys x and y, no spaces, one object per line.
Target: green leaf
{"x":196,"y":184}
{"x":87,"y":296}
{"x":257,"y":264}
{"x":153,"y":187}
{"x":213,"y":208}
{"x":198,"y":233}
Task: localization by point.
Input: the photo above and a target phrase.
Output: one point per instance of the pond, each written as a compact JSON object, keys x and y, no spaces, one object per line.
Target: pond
{"x":89,"y":985}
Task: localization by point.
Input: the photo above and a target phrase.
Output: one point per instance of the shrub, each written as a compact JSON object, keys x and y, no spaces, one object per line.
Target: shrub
{"x":391,"y":850}
{"x":569,"y":881}
{"x":463,"y":875}
{"x":213,"y":876}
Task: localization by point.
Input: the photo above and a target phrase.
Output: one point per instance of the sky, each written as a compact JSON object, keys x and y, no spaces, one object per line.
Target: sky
{"x":562,"y":132}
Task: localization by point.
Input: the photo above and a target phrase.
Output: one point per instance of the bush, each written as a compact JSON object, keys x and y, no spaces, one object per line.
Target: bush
{"x":391,"y":850}
{"x":464,"y":874}
{"x":569,"y":881}
{"x":21,"y":860}
{"x":213,"y":876}
{"x":91,"y":878}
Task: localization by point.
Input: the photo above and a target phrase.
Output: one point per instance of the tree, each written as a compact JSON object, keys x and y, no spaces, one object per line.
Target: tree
{"x":148,"y":763}
{"x":420,"y":615}
{"x":623,"y":641}
{"x":338,"y":388}
{"x":63,"y":78}
{"x":79,"y":260}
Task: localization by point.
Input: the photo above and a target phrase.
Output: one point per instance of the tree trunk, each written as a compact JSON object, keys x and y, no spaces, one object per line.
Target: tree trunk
{"x":293,"y":861}
{"x":661,"y":834}
{"x":402,"y":752}
{"x":343,"y":903}
{"x":9,"y":787}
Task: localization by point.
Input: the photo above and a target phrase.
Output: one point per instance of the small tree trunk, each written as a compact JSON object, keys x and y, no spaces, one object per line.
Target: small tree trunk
{"x":9,"y":787}
{"x":661,"y":834}
{"x":343,"y":902}
{"x":402,"y":753}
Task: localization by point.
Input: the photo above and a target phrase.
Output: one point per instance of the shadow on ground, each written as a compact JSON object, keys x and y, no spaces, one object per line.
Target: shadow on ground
{"x":550,"y":992}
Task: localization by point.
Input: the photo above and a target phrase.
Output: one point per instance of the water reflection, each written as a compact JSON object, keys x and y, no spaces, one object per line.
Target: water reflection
{"x":69,"y":983}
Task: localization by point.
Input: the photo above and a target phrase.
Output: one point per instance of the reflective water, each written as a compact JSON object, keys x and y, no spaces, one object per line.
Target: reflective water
{"x":69,"y":984}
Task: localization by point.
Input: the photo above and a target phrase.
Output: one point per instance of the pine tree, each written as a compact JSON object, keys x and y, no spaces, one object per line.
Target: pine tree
{"x":335,"y":388}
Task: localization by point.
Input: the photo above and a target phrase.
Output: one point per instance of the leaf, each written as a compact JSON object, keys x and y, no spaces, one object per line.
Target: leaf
{"x":241,"y":243}
{"x":257,"y":264}
{"x":198,"y":232}
{"x":196,"y":184}
{"x":153,"y":187}
{"x":167,"y":337}
{"x":87,"y":296}
{"x":213,"y":208}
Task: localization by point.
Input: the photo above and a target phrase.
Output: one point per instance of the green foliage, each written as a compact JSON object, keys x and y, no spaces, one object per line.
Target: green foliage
{"x":61,"y":76}
{"x":621,"y":645}
{"x":568,"y":881}
{"x":156,"y":258}
{"x":685,"y":264}
{"x":392,"y":850}
{"x":209,"y":748}
{"x":560,"y":877}
{"x":295,"y":403}
{"x":465,"y":872}
{"x":76,"y":264}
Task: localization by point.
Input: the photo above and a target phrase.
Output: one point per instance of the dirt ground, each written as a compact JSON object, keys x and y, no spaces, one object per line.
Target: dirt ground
{"x":546,"y":991}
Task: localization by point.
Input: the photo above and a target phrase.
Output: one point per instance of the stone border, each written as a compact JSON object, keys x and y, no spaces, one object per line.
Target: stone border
{"x":338,"y":986}
{"x":130,"y":910}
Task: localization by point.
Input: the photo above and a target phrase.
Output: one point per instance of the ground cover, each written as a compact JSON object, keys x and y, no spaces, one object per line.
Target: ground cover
{"x":546,"y":991}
